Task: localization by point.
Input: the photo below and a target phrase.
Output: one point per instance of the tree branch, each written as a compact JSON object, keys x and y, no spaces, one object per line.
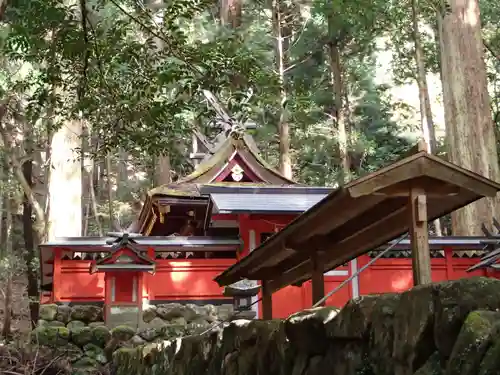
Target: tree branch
{"x":18,"y":168}
{"x":490,"y":49}
{"x":3,"y":8}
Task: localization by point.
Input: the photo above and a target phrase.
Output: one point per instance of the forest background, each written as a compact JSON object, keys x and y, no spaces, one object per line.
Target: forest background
{"x":102,"y":100}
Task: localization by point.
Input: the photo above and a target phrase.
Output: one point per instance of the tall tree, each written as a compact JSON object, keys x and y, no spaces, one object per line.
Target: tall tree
{"x":426,"y":117}
{"x":470,"y":133}
{"x":282,"y":33}
{"x":230,"y":13}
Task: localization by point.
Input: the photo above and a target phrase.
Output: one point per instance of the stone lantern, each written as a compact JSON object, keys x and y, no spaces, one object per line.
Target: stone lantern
{"x":242,"y":292}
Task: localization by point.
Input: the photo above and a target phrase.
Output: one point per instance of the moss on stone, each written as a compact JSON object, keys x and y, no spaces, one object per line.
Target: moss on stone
{"x":490,"y":364}
{"x":48,"y":312}
{"x":122,"y":333}
{"x":87,"y":313}
{"x":100,"y":336}
{"x":472,"y":342}
{"x":81,"y":336}
{"x":50,"y":336}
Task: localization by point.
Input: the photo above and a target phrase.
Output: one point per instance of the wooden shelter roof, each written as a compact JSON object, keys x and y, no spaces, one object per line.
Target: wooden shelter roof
{"x":359,"y":217}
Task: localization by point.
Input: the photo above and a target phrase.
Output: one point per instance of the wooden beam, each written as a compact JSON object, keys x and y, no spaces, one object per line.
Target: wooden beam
{"x":337,"y":254}
{"x":332,"y":214}
{"x":269,"y":268}
{"x":267,"y":301}
{"x":452,"y":174}
{"x":421,"y":258}
{"x":433,"y":188}
{"x":318,"y":280}
{"x":387,"y":177}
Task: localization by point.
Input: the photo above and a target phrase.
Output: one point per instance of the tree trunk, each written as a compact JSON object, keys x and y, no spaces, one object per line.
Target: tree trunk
{"x":65,"y":185}
{"x":469,"y":127}
{"x":282,"y":34}
{"x":7,"y":256}
{"x":93,"y":201}
{"x":29,"y":243}
{"x":426,"y":118}
{"x":163,"y":170}
{"x":427,"y":122}
{"x":338,"y":112}
{"x":163,"y":173}
{"x":122,"y":190}
{"x":230,"y":13}
{"x":109,"y":182}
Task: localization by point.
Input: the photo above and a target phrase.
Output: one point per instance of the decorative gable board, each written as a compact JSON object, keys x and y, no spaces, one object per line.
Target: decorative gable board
{"x":237,"y":169}
{"x":126,"y":256}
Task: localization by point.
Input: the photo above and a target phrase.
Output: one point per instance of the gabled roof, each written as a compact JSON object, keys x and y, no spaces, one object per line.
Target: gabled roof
{"x":124,"y":246}
{"x":242,"y":149}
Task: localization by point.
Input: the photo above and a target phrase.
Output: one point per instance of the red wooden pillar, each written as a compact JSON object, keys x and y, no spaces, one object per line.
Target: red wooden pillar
{"x":146,"y":279}
{"x":245,"y":226}
{"x":448,"y":261}
{"x":56,"y":275}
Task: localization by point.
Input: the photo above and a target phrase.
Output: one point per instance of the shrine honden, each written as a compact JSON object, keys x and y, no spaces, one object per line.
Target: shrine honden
{"x":211,"y":229}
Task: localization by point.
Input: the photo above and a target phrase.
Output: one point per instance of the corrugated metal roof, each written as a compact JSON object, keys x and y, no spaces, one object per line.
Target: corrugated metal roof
{"x":264,"y":203}
{"x":439,"y":243}
{"x":259,"y":188}
{"x":174,"y":241}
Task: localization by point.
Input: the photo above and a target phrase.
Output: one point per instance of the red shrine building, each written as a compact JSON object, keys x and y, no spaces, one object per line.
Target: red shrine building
{"x":190,"y":231}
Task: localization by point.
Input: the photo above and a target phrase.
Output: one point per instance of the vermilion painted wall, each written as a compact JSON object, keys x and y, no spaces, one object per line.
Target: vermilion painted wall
{"x":173,"y":280}
{"x":77,"y":284}
{"x":193,"y":280}
{"x":186,"y":279}
{"x":383,"y":276}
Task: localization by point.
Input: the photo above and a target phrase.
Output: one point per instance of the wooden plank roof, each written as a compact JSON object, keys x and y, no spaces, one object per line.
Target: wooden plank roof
{"x":360,"y":217}
{"x":208,"y":170}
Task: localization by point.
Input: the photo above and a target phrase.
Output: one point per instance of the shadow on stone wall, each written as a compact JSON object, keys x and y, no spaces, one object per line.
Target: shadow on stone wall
{"x":450,"y":328}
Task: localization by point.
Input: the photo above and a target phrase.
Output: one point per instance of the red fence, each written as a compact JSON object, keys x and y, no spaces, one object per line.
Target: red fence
{"x":383,"y":276}
{"x":193,"y":280}
{"x":173,"y":280}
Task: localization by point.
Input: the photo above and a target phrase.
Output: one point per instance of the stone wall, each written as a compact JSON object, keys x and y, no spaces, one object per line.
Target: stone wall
{"x":79,"y":334}
{"x":450,"y":328}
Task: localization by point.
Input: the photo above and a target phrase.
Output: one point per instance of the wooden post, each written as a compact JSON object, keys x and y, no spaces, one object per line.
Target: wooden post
{"x":448,"y":258}
{"x":317,"y":279}
{"x":419,"y":236}
{"x":56,"y":275}
{"x":244,"y":228}
{"x":267,"y":301}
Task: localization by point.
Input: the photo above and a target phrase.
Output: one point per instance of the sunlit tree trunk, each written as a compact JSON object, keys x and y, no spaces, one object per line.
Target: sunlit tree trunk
{"x":338,"y":113}
{"x":282,"y":35}
{"x":65,"y":185}
{"x":426,"y":118}
{"x":471,"y":137}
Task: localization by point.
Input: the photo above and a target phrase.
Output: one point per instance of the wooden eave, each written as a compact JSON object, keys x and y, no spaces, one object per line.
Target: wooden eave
{"x":139,"y":258}
{"x":359,"y":217}
{"x":143,"y":243}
